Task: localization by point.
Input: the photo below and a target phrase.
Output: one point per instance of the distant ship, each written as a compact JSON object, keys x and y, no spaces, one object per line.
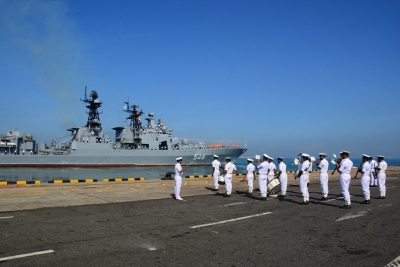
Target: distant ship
{"x":134,"y":145}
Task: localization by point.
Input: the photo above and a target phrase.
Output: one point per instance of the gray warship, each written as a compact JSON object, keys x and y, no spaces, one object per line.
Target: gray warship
{"x":134,"y":145}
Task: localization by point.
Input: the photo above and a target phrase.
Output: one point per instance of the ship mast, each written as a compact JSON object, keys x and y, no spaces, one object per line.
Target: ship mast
{"x":92,"y":104}
{"x":134,"y":115}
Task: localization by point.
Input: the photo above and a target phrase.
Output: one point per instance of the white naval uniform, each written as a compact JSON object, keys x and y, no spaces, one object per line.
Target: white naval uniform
{"x":216,"y":165}
{"x":373,"y":174}
{"x":178,"y":180}
{"x":366,"y":169}
{"x":262,"y":177}
{"x":323,"y":176}
{"x":283,"y":178}
{"x":271,"y":173}
{"x":250,"y":176}
{"x":304,"y":179}
{"x":229,"y":168}
{"x":344,"y":179}
{"x":382,"y":177}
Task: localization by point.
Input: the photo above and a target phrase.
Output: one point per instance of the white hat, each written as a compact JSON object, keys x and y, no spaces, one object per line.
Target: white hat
{"x":266,"y":156}
{"x":280,"y":158}
{"x":380,"y":156}
{"x":215,"y":156}
{"x":271,"y":158}
{"x":365,"y":156}
{"x":228,"y":158}
{"x":305,"y":155}
{"x":250,"y":160}
{"x":180,"y":158}
{"x":322,"y":154}
{"x":345,"y":152}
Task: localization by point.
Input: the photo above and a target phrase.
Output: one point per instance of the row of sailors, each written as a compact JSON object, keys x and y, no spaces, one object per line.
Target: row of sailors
{"x":372,"y":172}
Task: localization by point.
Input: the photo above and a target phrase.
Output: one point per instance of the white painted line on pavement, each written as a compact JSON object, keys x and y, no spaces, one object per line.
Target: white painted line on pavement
{"x":26,"y":255}
{"x":231,"y":220}
{"x":394,"y":263}
{"x":9,"y":217}
{"x":361,"y":213}
{"x":232,"y":204}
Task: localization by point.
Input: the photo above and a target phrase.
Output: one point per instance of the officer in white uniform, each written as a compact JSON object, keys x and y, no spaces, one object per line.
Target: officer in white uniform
{"x":230,"y":169}
{"x":282,"y":177}
{"x":215,"y":172}
{"x":178,"y":178}
{"x":344,"y":169}
{"x":365,"y":170}
{"x":304,"y":178}
{"x":323,"y":175}
{"x":263,"y":176}
{"x":373,"y":175}
{"x":271,"y":169}
{"x":250,"y":175}
{"x":381,"y":169}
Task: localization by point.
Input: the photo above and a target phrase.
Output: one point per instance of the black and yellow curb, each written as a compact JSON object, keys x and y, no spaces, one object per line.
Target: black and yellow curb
{"x":207,"y":176}
{"x":72,"y":181}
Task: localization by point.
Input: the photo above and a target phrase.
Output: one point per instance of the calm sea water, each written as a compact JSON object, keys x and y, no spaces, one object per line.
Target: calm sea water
{"x":149,"y":173}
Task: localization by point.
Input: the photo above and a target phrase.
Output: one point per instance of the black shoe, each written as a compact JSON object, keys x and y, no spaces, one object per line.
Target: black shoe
{"x":283,"y":196}
{"x":226,"y":195}
{"x":365,"y":202}
{"x":214,"y":189}
{"x":324,"y":199}
{"x":304,"y":203}
{"x":347,"y":206}
{"x":249,"y":194}
{"x":380,"y":197}
{"x":263,"y":198}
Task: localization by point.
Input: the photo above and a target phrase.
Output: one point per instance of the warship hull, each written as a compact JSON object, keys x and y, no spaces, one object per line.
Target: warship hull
{"x":121,"y":158}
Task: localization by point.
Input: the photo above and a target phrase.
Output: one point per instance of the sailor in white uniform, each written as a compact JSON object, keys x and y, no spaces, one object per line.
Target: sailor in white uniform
{"x":304,"y":178}
{"x":282,"y":177}
{"x":365,"y":170}
{"x":271,"y":169}
{"x":250,"y":175}
{"x":263,"y":176}
{"x":230,"y":169}
{"x":216,"y":165}
{"x":323,"y":175}
{"x":373,"y":175}
{"x":344,"y":169}
{"x":381,"y":169}
{"x":178,"y":178}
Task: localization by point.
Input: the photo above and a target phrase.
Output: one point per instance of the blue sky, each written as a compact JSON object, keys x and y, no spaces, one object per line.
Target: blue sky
{"x":287,"y":76}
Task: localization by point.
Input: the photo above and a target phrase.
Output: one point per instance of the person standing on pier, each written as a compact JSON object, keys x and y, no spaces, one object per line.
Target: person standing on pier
{"x":263,"y":176}
{"x":381,"y":169}
{"x":373,"y":175}
{"x":178,"y":178}
{"x":282,"y":177}
{"x":250,"y":175}
{"x":304,"y":178}
{"x":230,"y":169}
{"x":323,"y":175}
{"x":215,"y":172}
{"x":344,"y":169}
{"x":365,"y":170}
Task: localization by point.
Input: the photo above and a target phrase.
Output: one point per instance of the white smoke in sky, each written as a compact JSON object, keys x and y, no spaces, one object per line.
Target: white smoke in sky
{"x":38,"y":38}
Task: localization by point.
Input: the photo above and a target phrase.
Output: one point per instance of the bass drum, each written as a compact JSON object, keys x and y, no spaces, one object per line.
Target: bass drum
{"x":274,"y":186}
{"x":221,"y":180}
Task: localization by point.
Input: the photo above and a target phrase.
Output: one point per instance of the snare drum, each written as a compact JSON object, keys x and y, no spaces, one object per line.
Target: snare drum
{"x":274,"y":187}
{"x":221,"y":180}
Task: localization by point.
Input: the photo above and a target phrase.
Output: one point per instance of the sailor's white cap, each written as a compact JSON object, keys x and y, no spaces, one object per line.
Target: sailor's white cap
{"x":271,"y":158}
{"x":228,"y":158}
{"x":251,"y":160}
{"x":305,"y":155}
{"x":266,"y":156}
{"x":215,"y":156}
{"x":280,"y":158}
{"x":180,"y":158}
{"x":380,"y":156}
{"x":345,"y":152}
{"x":322,"y":154}
{"x":365,"y":156}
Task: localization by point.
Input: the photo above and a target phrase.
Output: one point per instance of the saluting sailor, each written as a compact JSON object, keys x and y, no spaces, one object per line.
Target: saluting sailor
{"x":365,"y":169}
{"x":282,"y":177}
{"x":230,"y":168}
{"x":373,"y":175}
{"x":344,"y":169}
{"x":263,"y":176}
{"x":215,"y":172}
{"x":250,"y":175}
{"x":381,"y":169}
{"x":323,"y":175}
{"x":304,"y":178}
{"x":178,"y":178}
